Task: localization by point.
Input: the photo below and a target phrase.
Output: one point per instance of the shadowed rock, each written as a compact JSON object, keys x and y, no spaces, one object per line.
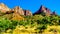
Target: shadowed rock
{"x":27,"y":13}
{"x":43,"y":9}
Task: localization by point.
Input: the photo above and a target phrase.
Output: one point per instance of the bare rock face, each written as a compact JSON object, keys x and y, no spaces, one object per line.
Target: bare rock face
{"x":48,"y":12}
{"x":27,"y":13}
{"x":43,"y":9}
{"x":18,"y":10}
{"x":3,"y":8}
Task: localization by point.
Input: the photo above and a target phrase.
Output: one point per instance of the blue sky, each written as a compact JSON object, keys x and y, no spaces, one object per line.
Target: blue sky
{"x":34,"y":5}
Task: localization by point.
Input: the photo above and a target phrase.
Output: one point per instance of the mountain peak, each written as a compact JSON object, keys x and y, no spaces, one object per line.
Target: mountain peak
{"x":43,"y":9}
{"x":42,"y":6}
{"x":18,"y":7}
{"x":20,"y":11}
{"x":3,"y":8}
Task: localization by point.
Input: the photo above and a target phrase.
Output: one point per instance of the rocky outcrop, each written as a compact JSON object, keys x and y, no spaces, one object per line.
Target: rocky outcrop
{"x":48,"y":12}
{"x":27,"y":13}
{"x":43,"y":9}
{"x":4,"y":8}
{"x":18,"y":10}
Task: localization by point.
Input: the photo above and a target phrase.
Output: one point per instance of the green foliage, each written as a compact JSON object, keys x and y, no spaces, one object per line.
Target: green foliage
{"x":39,"y":20}
{"x":4,"y":24}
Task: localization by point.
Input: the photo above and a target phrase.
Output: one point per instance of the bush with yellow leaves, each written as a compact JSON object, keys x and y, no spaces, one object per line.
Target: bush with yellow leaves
{"x":52,"y":30}
{"x":25,"y":30}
